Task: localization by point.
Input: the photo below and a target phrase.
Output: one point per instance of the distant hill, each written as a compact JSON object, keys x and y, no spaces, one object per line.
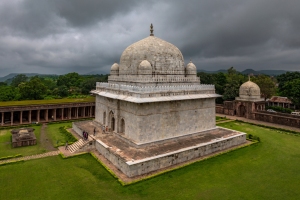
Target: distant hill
{"x":249,"y":71}
{"x":2,"y":79}
{"x":212,"y":72}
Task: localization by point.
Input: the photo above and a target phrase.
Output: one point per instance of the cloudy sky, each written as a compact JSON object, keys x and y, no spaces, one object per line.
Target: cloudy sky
{"x":62,"y":36}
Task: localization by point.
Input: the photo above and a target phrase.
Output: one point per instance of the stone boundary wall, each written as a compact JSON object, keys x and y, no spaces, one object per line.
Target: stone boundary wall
{"x":280,"y":114}
{"x":221,"y":110}
{"x":278,"y":119}
{"x":139,"y":167}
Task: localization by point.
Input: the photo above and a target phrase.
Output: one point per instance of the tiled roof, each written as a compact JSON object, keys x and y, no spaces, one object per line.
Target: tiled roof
{"x":277,"y":99}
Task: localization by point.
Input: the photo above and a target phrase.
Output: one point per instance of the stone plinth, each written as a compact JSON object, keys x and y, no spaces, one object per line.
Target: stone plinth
{"x":23,"y":137}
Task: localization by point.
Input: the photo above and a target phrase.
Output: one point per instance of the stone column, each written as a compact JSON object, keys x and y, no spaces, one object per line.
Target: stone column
{"x":91,"y":107}
{"x":46,"y":111}
{"x":11,"y":118}
{"x":38,"y":115}
{"x":54,"y":114}
{"x":2,"y":120}
{"x":83,"y":112}
{"x":29,"y":116}
{"x":21,"y":117}
{"x":70,"y":113}
{"x":77,"y":112}
{"x":62,"y":114}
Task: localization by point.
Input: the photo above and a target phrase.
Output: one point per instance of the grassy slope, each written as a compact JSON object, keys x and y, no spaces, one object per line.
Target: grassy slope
{"x":269,"y":170}
{"x":7,"y":150}
{"x":36,"y":102}
{"x":53,"y":133}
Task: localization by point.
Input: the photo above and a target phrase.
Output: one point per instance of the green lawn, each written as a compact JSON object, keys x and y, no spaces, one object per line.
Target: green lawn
{"x":53,"y":133}
{"x":7,"y":150}
{"x":52,"y":101}
{"x":268,"y":170}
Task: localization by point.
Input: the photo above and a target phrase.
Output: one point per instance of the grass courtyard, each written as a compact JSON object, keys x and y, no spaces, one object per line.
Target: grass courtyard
{"x":268,"y":170}
{"x":6,"y":146}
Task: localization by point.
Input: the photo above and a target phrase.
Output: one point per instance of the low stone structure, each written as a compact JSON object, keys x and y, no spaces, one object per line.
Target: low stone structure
{"x":23,"y":137}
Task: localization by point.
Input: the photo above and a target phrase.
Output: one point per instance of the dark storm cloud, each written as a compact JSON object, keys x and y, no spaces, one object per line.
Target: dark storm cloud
{"x":61,"y":36}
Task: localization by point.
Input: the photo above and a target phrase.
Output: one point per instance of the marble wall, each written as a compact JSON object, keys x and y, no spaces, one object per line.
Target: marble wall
{"x":148,"y":122}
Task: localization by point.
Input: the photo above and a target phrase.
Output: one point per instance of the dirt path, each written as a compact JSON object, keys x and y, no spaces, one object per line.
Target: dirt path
{"x":51,"y":153}
{"x":45,"y":141}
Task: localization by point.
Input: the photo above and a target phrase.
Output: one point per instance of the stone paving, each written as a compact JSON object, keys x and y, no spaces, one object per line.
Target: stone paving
{"x":51,"y":153}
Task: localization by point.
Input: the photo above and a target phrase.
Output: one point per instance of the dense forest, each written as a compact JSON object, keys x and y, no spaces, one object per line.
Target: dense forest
{"x":70,"y":85}
{"x":73,"y":85}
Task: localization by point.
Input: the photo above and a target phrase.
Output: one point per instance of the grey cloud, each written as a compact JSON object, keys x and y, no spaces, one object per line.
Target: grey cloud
{"x":61,"y":36}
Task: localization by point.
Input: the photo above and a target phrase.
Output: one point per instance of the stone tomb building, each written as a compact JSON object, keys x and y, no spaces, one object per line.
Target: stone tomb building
{"x":153,"y":99}
{"x":23,"y":137}
{"x":247,"y":104}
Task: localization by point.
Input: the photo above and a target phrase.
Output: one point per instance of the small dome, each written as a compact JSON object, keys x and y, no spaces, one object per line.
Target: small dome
{"x":191,"y":66}
{"x":115,"y":66}
{"x":249,"y":89}
{"x":145,"y":65}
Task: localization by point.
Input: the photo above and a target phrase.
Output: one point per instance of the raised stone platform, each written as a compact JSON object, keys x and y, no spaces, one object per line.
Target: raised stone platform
{"x":134,"y":161}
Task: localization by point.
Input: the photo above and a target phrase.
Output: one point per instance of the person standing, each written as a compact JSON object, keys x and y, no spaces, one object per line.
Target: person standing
{"x":87,"y":136}
{"x":94,"y":131}
{"x":66,"y":146}
{"x":103,"y":129}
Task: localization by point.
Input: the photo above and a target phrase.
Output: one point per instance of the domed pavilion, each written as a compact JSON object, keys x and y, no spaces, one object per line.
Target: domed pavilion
{"x":152,"y":98}
{"x":246,"y":104}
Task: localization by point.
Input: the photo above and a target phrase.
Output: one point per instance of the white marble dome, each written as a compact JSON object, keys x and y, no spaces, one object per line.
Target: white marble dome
{"x":164,"y":57}
{"x":249,"y":90}
{"x":114,"y":70}
{"x":191,"y":70}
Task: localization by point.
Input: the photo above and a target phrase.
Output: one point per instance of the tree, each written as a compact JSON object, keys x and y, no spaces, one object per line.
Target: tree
{"x":20,"y":78}
{"x":8,"y":93}
{"x":291,"y":89}
{"x":231,"y":90}
{"x":267,"y":86}
{"x":284,"y":78}
{"x":89,"y":84}
{"x":63,"y":91}
{"x":234,"y":81}
{"x":33,"y":90}
{"x":69,"y":80}
{"x":3,"y":84}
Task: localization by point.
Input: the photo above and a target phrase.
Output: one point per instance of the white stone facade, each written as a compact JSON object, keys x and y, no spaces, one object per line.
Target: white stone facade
{"x":146,"y":122}
{"x":151,"y":95}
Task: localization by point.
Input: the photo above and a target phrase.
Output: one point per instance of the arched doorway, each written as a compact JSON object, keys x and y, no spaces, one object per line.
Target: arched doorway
{"x":122,"y":126}
{"x":112,"y":124}
{"x":104,"y":118}
{"x":242,"y":111}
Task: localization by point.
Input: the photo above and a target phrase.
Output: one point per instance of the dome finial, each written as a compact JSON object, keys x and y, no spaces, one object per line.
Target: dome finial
{"x":190,"y":60}
{"x":151,"y":30}
{"x":116,"y":61}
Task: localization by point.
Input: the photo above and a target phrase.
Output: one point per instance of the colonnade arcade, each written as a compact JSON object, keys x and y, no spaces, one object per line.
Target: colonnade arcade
{"x":17,"y":115}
